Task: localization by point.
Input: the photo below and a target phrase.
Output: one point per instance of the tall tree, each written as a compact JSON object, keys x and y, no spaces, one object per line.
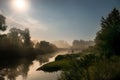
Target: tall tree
{"x":2,"y":23}
{"x":108,"y":38}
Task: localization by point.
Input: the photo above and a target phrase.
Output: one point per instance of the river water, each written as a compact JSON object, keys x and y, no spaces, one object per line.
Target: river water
{"x":26,"y":69}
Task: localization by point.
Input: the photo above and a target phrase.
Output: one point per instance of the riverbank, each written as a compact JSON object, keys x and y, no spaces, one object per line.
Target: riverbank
{"x":88,"y":67}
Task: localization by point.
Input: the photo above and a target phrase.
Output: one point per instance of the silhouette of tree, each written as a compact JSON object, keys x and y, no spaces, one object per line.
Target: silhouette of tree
{"x":108,"y":38}
{"x":2,"y":23}
{"x":46,"y":47}
{"x":15,"y":35}
{"x":26,"y":35}
{"x":21,"y":37}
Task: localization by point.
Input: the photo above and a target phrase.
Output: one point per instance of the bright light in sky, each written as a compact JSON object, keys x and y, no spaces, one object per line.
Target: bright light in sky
{"x":20,"y":5}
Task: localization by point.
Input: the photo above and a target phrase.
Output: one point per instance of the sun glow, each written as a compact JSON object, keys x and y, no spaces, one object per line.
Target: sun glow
{"x":20,"y":5}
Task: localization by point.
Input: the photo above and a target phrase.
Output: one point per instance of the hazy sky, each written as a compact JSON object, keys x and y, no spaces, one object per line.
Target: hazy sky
{"x":59,"y":19}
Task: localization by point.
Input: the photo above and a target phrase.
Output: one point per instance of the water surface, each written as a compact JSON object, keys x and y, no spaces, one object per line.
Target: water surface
{"x":25,"y":69}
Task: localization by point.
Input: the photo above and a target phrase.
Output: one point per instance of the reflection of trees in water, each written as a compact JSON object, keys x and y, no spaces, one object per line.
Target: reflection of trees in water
{"x":44,"y":58}
{"x":19,"y":67}
{"x":14,"y":68}
{"x":2,"y":77}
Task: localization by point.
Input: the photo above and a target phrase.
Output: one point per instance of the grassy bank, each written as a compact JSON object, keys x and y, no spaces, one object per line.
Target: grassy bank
{"x":87,"y":67}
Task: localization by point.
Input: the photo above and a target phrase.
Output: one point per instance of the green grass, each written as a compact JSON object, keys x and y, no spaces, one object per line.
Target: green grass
{"x":55,"y":66}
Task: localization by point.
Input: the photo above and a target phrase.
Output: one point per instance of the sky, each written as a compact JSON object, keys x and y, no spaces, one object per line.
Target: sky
{"x":53,"y":20}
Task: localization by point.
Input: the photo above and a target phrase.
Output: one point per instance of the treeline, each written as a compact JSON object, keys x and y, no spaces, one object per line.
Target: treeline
{"x":17,"y":43}
{"x":62,"y":44}
{"x":45,"y":47}
{"x":82,"y":44}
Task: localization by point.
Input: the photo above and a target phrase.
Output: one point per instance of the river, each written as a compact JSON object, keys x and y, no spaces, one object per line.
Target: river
{"x":26,"y":69}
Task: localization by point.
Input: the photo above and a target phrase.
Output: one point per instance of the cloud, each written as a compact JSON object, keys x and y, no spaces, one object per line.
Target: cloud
{"x":25,"y":22}
{"x":36,"y":24}
{"x":14,"y":23}
{"x":0,"y":12}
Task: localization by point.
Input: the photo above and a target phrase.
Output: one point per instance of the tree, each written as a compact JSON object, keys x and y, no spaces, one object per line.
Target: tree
{"x":26,"y":34}
{"x":45,"y":47}
{"x":108,"y":38}
{"x":14,"y":35}
{"x":20,"y":36}
{"x":2,"y":23}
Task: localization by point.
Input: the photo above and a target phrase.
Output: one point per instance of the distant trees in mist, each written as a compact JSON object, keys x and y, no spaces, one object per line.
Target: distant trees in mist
{"x":76,"y":44}
{"x":61,"y":44}
{"x":82,"y":44}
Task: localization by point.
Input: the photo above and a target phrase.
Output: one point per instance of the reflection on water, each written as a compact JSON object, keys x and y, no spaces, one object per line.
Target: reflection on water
{"x":25,"y":69}
{"x":40,"y":75}
{"x":10,"y":69}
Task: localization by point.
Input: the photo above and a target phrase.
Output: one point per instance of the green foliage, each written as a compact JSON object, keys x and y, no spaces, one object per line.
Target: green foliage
{"x":66,"y":57}
{"x":108,"y":38}
{"x":62,"y":62}
{"x":74,"y":72}
{"x":91,"y":67}
{"x":88,"y":67}
{"x":105,"y":70}
{"x":55,"y":66}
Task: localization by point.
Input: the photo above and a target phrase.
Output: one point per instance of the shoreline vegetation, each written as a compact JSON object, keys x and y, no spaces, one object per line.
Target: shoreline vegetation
{"x":100,"y":62}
